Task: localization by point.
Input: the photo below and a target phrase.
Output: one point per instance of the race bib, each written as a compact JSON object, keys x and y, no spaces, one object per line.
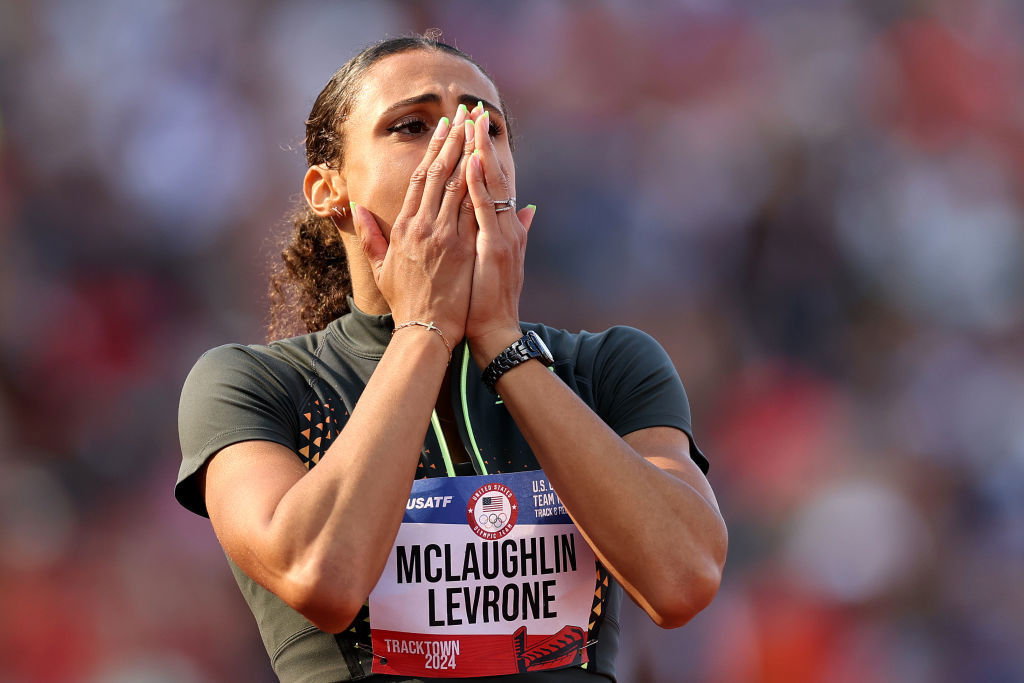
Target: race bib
{"x":488,"y":576}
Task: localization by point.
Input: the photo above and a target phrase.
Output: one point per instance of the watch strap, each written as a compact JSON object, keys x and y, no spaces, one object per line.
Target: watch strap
{"x":516,"y":353}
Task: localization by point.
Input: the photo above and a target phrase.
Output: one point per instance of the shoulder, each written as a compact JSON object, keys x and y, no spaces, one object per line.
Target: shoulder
{"x":281,"y":363}
{"x":586,"y":350}
{"x":235,"y":393}
{"x":244,"y":358}
{"x":611,"y":366}
{"x":613,"y":334}
{"x":242,"y":384}
{"x":625,"y":376}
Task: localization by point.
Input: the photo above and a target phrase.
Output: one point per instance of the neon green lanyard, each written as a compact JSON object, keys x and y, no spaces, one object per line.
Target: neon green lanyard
{"x":439,"y":433}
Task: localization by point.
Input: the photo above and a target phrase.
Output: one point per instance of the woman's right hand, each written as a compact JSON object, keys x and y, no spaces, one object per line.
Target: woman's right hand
{"x":425,"y":272}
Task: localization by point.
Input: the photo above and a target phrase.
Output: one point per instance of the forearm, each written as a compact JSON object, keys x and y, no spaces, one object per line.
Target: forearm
{"x":329,"y":535}
{"x":661,"y":537}
{"x":334,"y":527}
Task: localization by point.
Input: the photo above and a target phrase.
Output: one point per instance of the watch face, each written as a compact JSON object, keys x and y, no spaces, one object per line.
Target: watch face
{"x":545,"y":354}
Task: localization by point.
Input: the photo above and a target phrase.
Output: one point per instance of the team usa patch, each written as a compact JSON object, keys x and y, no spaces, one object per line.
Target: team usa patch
{"x":492,"y":511}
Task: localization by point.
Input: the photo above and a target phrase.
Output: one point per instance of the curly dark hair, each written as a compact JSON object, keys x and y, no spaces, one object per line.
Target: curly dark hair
{"x":310,"y":285}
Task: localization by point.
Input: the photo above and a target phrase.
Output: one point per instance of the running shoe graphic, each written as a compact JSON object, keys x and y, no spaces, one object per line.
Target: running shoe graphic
{"x":565,"y":648}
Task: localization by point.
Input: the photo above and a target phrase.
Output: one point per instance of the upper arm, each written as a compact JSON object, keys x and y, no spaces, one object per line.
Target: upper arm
{"x":668,"y":449}
{"x":242,"y":485}
{"x":237,"y":423}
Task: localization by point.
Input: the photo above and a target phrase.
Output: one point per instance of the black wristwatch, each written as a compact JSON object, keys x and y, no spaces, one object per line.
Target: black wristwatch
{"x":523,"y":349}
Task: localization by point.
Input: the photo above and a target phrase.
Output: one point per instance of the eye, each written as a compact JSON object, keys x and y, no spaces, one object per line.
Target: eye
{"x":410,"y":125}
{"x":495,"y":129}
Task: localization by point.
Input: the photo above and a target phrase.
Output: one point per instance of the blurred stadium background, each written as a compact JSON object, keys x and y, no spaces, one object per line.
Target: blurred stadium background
{"x":817,"y":206}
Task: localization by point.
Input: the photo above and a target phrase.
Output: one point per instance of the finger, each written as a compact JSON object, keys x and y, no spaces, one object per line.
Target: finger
{"x":479,"y":194}
{"x":467,"y":224}
{"x":455,"y":188}
{"x":476,"y":111}
{"x":371,"y":239}
{"x":497,"y":182}
{"x":440,"y":170}
{"x":494,"y":175}
{"x":525,"y":216}
{"x":418,"y":180}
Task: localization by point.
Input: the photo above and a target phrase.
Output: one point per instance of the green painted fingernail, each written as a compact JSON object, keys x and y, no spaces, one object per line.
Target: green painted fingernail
{"x":480,"y":103}
{"x":532,"y":206}
{"x":463,"y":109}
{"x":352,"y":206}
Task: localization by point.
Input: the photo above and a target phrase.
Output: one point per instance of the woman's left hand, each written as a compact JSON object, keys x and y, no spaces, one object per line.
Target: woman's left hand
{"x":671,"y":568}
{"x":493,"y":320}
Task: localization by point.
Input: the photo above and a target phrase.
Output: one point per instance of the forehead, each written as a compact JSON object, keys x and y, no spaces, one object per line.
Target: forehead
{"x":408,"y":74}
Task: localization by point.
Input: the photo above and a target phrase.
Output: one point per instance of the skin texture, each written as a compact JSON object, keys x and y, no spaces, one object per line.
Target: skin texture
{"x":425,"y":243}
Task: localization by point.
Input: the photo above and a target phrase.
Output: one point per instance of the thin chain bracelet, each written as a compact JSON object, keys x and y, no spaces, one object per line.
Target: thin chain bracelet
{"x":429,"y":326}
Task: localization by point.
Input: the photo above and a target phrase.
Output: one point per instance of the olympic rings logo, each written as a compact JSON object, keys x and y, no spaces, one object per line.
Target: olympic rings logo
{"x":495,"y":520}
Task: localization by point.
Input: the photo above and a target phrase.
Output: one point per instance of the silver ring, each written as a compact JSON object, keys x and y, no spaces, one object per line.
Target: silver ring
{"x":504,"y":204}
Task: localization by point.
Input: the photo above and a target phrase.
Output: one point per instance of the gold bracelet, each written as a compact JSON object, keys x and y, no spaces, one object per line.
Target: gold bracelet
{"x":429,"y":326}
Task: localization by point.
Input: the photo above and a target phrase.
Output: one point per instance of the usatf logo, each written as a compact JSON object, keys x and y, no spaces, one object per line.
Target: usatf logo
{"x":492,"y":511}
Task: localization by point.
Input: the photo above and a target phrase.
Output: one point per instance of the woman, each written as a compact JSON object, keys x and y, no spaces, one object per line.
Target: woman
{"x":321,"y":460}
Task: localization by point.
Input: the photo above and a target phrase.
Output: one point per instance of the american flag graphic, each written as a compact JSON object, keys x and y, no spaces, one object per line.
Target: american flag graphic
{"x":493,"y":504}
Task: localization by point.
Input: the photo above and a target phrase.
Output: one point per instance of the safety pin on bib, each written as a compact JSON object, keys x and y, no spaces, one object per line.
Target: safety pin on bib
{"x":367,"y":648}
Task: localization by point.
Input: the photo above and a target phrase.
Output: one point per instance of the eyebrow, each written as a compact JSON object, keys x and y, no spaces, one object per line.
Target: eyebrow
{"x":434,"y":98}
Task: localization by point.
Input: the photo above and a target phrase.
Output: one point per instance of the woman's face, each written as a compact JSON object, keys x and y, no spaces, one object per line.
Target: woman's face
{"x":401,"y":100}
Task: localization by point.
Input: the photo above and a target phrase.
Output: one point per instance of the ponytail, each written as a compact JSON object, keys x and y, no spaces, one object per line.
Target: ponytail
{"x":309,"y":286}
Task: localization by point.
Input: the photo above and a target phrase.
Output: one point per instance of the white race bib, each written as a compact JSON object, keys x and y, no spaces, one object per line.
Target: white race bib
{"x":488,"y":576}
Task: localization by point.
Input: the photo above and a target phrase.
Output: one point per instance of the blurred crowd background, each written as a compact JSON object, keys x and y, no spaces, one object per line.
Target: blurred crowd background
{"x":817,"y":206}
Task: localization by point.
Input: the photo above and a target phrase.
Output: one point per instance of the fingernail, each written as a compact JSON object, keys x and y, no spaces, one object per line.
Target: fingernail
{"x":470,"y":130}
{"x":476,"y":154}
{"x":532,"y":207}
{"x":460,"y":115}
{"x":352,"y":206}
{"x":480,"y":104}
{"x":442,"y":127}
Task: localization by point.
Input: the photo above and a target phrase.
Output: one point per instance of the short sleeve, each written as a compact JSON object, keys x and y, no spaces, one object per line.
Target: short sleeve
{"x":636,"y":386}
{"x":229,"y":396}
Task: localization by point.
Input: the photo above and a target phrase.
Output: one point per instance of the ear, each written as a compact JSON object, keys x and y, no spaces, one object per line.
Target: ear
{"x":324,"y":189}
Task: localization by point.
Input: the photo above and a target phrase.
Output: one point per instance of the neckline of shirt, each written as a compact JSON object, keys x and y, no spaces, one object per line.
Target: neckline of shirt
{"x":363,"y":331}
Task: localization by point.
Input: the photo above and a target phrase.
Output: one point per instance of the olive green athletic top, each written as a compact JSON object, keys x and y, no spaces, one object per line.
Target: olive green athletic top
{"x":299,"y":393}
